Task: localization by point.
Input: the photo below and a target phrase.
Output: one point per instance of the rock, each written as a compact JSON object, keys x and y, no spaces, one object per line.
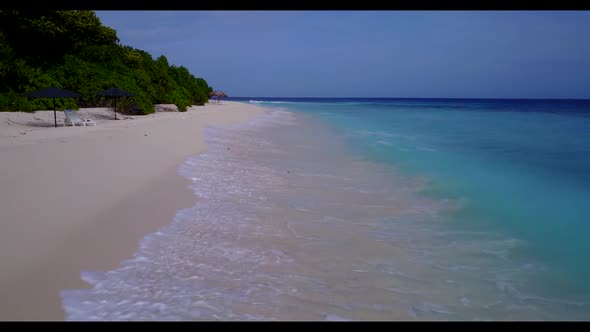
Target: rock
{"x":166,"y":108}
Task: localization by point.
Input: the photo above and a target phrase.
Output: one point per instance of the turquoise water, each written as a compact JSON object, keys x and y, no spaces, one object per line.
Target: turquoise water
{"x":370,"y":210}
{"x":518,"y":167}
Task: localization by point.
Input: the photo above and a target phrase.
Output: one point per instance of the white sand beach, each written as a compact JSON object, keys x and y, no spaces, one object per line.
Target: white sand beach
{"x":74,"y":199}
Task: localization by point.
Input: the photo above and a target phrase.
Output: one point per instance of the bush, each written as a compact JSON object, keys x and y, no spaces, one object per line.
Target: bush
{"x":13,"y":102}
{"x":85,"y":56}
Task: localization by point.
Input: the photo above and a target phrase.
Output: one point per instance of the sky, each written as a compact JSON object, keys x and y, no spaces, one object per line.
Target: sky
{"x":411,"y":54}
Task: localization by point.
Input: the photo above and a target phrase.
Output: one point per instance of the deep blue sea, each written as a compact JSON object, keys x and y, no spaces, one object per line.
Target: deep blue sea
{"x":372,"y":209}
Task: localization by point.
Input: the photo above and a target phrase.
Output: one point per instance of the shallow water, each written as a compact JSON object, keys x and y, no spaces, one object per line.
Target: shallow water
{"x":292,"y":224}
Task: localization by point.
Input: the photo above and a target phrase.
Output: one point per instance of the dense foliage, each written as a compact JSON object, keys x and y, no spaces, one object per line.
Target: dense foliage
{"x":74,"y":51}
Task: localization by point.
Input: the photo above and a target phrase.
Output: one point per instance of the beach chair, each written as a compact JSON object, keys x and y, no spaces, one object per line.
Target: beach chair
{"x":73,"y":119}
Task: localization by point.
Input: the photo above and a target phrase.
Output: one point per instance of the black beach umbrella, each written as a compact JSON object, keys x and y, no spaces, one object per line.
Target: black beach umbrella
{"x":52,"y":92}
{"x":115,"y":92}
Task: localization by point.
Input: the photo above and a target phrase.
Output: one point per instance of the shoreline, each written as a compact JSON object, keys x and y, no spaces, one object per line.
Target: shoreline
{"x":81,"y":199}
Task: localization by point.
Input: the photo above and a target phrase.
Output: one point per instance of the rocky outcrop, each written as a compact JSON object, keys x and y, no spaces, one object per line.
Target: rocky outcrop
{"x":166,"y":108}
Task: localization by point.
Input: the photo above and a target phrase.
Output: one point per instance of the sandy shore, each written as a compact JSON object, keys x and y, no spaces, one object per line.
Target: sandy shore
{"x":74,"y":199}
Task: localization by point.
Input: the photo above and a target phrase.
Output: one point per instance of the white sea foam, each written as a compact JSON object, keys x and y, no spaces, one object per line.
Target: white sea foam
{"x":288,"y":227}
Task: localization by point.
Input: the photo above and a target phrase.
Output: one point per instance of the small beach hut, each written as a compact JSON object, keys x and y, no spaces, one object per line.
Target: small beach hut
{"x":116,"y":93}
{"x":218,"y":95}
{"x":53,"y":92}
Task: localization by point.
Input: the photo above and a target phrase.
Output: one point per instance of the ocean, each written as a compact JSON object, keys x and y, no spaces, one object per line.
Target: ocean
{"x":371,"y":209}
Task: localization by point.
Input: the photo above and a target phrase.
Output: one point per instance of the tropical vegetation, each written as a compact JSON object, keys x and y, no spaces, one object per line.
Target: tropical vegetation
{"x":73,"y":50}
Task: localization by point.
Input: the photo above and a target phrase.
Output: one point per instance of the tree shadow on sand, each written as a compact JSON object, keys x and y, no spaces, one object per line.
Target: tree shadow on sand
{"x":107,"y":116}
{"x":38,"y":124}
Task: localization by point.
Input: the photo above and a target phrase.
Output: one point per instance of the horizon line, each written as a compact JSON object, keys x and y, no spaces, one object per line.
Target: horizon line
{"x":479,"y":98}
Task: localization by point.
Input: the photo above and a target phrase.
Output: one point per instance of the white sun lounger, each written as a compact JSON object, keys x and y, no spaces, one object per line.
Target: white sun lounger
{"x":73,"y":119}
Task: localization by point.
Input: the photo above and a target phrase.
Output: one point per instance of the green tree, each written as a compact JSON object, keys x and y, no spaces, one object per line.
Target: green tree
{"x":73,"y":50}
